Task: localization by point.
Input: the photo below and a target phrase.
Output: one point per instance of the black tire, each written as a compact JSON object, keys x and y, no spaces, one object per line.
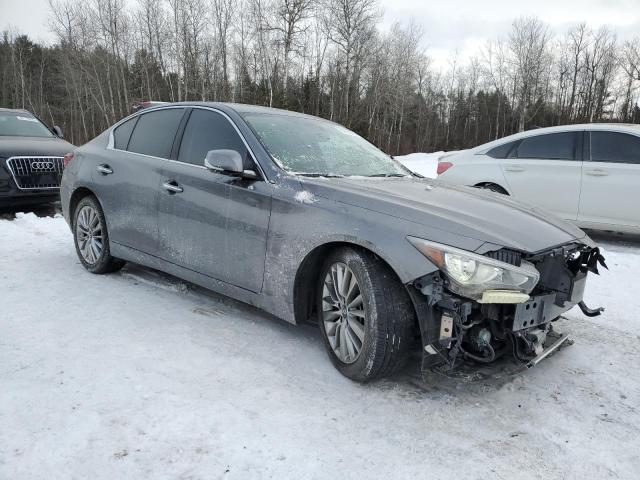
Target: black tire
{"x":389,"y":321}
{"x":492,"y":187}
{"x":104,"y":263}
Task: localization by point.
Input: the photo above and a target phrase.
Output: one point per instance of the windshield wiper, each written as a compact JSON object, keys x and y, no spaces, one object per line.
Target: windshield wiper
{"x":387,"y":175}
{"x":314,"y":174}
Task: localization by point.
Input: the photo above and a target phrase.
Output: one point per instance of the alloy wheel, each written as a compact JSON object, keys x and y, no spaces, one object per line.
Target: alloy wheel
{"x":89,"y":234}
{"x":343,"y":312}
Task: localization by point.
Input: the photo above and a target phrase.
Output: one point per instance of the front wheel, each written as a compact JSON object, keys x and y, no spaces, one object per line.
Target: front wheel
{"x":92,"y":239}
{"x":365,"y":315}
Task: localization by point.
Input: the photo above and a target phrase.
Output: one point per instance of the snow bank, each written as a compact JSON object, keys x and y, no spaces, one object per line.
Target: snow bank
{"x":130,"y":376}
{"x":425,"y":164}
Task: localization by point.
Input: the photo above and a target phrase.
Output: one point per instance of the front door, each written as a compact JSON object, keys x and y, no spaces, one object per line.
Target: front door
{"x":611,"y":181}
{"x":209,"y":222}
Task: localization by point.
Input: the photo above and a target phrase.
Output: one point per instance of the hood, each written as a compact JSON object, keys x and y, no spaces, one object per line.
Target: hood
{"x":470,"y":212}
{"x":35,"y":146}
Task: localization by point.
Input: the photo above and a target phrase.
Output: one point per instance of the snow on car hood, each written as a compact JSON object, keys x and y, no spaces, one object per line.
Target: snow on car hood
{"x":466,"y":211}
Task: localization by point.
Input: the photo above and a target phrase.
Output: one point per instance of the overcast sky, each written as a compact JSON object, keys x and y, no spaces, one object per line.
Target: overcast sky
{"x":448,"y":25}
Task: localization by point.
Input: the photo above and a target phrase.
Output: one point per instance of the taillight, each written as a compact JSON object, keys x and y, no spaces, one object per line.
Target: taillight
{"x":443,"y":167}
{"x":67,"y":159}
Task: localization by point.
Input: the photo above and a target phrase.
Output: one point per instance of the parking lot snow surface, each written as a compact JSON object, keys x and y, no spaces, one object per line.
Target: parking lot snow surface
{"x":139,"y":375}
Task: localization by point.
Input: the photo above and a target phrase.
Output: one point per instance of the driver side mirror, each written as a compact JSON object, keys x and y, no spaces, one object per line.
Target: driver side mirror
{"x":57,"y":131}
{"x":227,"y":161}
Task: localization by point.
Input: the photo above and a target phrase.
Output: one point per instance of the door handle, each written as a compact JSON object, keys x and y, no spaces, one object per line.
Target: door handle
{"x":104,"y":169}
{"x":172,"y":186}
{"x":596,"y":172}
{"x":514,"y":168}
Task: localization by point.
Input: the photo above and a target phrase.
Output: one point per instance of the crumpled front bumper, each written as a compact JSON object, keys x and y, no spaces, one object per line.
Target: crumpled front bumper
{"x":541,"y":309}
{"x":446,"y":319}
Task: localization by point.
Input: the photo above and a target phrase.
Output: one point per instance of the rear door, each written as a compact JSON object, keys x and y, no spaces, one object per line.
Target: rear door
{"x":210,"y":222}
{"x":544,"y":170}
{"x":128,"y":177}
{"x":611,"y":180}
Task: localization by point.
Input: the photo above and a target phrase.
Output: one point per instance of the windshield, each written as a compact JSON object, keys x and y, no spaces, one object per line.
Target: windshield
{"x":316,"y":147}
{"x":22,"y":124}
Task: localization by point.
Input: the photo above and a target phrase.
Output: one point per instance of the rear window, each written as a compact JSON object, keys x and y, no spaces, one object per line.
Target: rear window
{"x":155,"y":131}
{"x":501,"y":151}
{"x":122,"y":134}
{"x":615,"y":147}
{"x":554,"y":146}
{"x":22,"y":124}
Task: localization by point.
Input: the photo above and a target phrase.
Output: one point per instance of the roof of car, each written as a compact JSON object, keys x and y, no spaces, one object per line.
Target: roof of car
{"x":19,"y":110}
{"x":240,"y":108}
{"x":586,"y":126}
{"x":614,"y":127}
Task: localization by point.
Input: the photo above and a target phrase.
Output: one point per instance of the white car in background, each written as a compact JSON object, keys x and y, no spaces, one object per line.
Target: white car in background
{"x":589,"y":174}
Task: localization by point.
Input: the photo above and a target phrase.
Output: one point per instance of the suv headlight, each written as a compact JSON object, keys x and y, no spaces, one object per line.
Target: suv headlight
{"x":470,"y":275}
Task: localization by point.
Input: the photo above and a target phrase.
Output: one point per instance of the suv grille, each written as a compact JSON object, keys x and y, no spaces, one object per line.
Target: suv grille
{"x":36,"y":173}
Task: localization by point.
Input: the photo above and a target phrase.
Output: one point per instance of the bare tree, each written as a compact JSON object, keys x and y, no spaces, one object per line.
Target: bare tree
{"x":495,"y":64}
{"x":629,"y":60}
{"x":328,"y":57}
{"x":222,"y":14}
{"x":350,"y":24}
{"x":577,"y":41}
{"x":528,"y":42}
{"x":290,"y":15}
{"x":265,"y":52}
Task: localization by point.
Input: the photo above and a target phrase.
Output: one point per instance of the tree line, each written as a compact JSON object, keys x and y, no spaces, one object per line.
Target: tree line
{"x":330,"y":58}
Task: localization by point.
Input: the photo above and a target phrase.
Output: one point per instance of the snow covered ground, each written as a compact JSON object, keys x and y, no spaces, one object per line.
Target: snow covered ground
{"x":425,"y":164}
{"x":139,"y":375}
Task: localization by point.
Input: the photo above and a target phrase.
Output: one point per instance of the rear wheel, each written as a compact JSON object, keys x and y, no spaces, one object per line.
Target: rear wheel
{"x":365,"y":315}
{"x":92,"y":239}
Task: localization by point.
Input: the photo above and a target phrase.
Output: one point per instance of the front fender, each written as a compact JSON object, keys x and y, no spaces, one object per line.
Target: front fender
{"x":298,"y":227}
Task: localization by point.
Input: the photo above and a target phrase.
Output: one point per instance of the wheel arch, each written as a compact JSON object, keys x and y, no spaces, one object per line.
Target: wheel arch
{"x":308,"y":271}
{"x":492,"y":182}
{"x":77,"y":195}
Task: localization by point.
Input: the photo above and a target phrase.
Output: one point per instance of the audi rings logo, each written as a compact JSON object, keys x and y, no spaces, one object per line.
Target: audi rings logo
{"x":42,"y":166}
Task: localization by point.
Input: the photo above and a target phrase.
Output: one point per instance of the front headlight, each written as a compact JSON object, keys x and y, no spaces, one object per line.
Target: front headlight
{"x":471,"y":275}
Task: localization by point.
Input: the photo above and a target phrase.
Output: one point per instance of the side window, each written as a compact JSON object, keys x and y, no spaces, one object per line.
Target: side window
{"x":155,"y":131}
{"x":615,"y":147}
{"x":207,"y":130}
{"x":122,"y":134}
{"x":554,"y":146}
{"x":501,"y":151}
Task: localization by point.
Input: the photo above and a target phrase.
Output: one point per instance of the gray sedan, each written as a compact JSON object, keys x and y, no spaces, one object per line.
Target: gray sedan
{"x":306,"y":220}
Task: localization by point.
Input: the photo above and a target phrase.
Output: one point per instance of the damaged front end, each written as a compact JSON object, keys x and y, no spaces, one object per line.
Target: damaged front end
{"x":478,"y":308}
